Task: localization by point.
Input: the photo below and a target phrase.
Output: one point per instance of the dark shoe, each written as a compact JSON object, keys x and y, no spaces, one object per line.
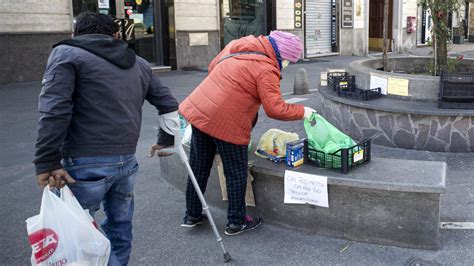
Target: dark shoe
{"x":249,"y":224}
{"x":189,"y":221}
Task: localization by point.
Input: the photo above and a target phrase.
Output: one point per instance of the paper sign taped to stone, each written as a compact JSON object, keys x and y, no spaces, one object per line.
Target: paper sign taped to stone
{"x":301,"y":188}
{"x":378,"y":82}
{"x":398,"y":86}
{"x":324,"y":79}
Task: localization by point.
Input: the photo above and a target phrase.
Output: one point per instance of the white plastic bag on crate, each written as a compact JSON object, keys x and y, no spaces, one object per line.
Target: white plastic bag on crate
{"x":64,"y":234}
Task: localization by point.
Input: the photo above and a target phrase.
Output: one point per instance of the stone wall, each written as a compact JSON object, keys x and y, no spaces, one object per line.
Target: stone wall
{"x":197,"y":33}
{"x":35,"y":16}
{"x":408,"y":131}
{"x":27,"y":33}
{"x":192,"y":54}
{"x":24,"y":56}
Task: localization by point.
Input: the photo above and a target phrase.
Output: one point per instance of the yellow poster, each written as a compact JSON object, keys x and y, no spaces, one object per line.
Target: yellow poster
{"x":397,"y":86}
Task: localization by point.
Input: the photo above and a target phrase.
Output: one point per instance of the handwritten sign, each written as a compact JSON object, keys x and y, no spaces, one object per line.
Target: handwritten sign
{"x":398,"y":86}
{"x":301,"y":188}
{"x":378,"y":82}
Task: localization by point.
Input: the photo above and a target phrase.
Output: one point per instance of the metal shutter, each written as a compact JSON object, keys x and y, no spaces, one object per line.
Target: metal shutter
{"x":317,"y":27}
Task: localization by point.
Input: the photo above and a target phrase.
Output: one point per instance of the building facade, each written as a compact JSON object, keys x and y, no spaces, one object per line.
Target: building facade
{"x":187,"y":34}
{"x":27,"y":31}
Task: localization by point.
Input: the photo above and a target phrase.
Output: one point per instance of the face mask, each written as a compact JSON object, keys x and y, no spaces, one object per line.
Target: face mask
{"x":285,"y":63}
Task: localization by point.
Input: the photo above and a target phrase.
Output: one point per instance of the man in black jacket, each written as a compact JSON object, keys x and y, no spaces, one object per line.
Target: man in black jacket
{"x":90,"y":115}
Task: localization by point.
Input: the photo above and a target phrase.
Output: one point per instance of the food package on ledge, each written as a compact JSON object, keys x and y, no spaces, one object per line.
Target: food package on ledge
{"x":272,"y":144}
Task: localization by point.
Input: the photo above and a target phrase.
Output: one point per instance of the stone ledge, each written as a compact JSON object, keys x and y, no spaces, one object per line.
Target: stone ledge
{"x":388,"y":104}
{"x":380,"y":174}
{"x":388,"y":210}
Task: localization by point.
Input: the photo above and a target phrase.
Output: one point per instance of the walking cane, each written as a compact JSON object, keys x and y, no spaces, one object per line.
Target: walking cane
{"x":178,"y":148}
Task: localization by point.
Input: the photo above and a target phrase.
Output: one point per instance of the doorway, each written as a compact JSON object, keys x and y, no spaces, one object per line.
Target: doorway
{"x":376,"y":16}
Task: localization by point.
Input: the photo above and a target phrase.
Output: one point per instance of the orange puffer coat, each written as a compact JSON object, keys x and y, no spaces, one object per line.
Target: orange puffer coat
{"x":225,"y":103}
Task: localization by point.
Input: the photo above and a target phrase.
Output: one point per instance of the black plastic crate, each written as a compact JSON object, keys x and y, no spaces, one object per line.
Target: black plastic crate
{"x":343,"y":160}
{"x":456,"y":91}
{"x":359,"y":94}
{"x":455,"y":105}
{"x":341,"y":81}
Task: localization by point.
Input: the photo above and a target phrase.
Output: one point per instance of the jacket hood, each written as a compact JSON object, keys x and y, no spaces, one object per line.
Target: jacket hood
{"x":255,"y":44}
{"x":113,"y":50}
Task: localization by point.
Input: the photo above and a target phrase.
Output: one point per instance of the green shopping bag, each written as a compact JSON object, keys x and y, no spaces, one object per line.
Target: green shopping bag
{"x":324,"y":140}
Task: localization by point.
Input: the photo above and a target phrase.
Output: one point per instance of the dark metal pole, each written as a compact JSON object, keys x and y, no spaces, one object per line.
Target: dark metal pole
{"x":385,"y":34}
{"x":158,"y":21}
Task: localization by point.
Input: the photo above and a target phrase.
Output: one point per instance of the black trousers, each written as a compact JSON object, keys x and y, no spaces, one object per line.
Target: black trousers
{"x":234,"y":159}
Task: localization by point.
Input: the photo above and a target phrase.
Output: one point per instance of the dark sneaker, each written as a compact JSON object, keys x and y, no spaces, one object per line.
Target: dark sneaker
{"x":249,"y":224}
{"x":189,"y":221}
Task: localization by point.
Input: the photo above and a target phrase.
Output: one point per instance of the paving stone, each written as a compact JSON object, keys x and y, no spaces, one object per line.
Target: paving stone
{"x":404,"y":122}
{"x":372,"y":117}
{"x":371,"y":133}
{"x":442,"y":120}
{"x":416,"y":118}
{"x":346,"y":116}
{"x":462,"y":125}
{"x":383,"y":140}
{"x":361,"y":120}
{"x":458,"y":143}
{"x":434,"y":128}
{"x":422,"y":136}
{"x":435,"y":145}
{"x":445,"y":133}
{"x":404,"y":139}
{"x":354,"y":132}
{"x":337,"y":115}
{"x":471,"y":138}
{"x":386,"y":124}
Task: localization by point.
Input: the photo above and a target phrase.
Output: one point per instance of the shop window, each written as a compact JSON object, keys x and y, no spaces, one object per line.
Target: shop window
{"x":243,"y":9}
{"x":242,"y":18}
{"x":79,"y":6}
{"x":141,"y":32}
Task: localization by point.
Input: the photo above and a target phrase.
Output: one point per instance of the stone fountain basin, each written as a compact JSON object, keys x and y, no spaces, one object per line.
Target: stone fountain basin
{"x":420,"y":87}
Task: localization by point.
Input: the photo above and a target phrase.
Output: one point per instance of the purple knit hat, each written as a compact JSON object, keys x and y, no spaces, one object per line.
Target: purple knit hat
{"x":288,"y":44}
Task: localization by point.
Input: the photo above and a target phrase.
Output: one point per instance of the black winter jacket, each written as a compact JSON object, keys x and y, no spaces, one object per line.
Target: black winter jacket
{"x":91,"y":101}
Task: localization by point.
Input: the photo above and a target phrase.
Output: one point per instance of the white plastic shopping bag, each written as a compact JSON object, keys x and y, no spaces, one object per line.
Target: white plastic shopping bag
{"x":64,"y":234}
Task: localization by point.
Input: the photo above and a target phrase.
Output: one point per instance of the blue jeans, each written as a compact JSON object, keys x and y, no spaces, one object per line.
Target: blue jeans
{"x":108,"y":180}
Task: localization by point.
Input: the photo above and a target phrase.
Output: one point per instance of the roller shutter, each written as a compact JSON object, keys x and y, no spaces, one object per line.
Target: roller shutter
{"x":317,"y":27}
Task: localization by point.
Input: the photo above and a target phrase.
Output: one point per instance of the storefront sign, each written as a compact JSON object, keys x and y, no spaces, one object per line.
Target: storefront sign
{"x":103,"y":4}
{"x":298,"y":14}
{"x":347,"y":14}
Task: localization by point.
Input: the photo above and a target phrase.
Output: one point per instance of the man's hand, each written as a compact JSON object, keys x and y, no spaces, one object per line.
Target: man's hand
{"x":156,"y":148}
{"x":55,"y":179}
